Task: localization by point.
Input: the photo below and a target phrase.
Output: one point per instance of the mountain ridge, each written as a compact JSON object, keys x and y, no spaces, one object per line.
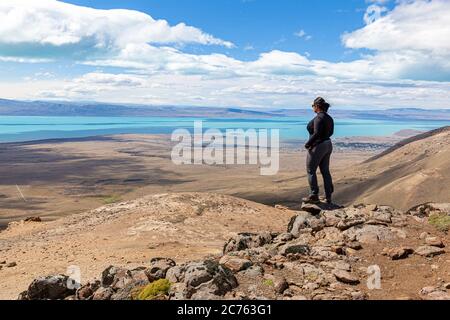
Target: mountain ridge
{"x":49,"y":108}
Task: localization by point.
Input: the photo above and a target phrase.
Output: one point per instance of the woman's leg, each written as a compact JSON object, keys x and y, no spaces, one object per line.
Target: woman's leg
{"x":312,"y":163}
{"x":325,"y":170}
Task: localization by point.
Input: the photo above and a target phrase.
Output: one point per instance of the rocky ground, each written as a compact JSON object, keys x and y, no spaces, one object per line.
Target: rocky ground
{"x":325,"y":253}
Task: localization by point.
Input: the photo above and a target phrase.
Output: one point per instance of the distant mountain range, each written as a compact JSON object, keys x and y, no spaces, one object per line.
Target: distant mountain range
{"x":47,"y":108}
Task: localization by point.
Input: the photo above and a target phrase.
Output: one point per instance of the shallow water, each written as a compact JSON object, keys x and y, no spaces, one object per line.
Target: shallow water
{"x":14,"y":129}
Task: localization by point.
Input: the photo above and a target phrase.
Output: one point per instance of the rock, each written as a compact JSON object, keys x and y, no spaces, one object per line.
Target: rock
{"x":372,"y":207}
{"x":433,"y":293}
{"x":103,"y":293}
{"x":159,"y":267}
{"x":336,"y":265}
{"x":235,"y":264}
{"x":298,"y":223}
{"x":316,"y":224}
{"x":331,"y":218}
{"x":11,"y":265}
{"x":439,"y":295}
{"x":33,"y":219}
{"x":429,"y":251}
{"x":304,"y":222}
{"x":314,"y":209}
{"x":329,"y":236}
{"x":116,"y":277}
{"x":280,"y":285}
{"x":345,"y":277}
{"x":130,"y":291}
{"x":253,"y":272}
{"x":50,"y":288}
{"x":398,"y":253}
{"x":177,"y":291}
{"x":355,"y":245}
{"x":434,"y":242}
{"x":3,"y":262}
{"x":447,"y":286}
{"x":208,"y":276}
{"x":294,"y":248}
{"x":358,"y":296}
{"x":247,"y":240}
{"x":175,"y":274}
{"x":383,"y":217}
{"x":23,"y":296}
{"x":423,"y":235}
{"x":283,"y":238}
{"x":370,"y":233}
{"x":348,"y":223}
{"x":140,"y":275}
{"x":324,"y":253}
{"x":87,"y":291}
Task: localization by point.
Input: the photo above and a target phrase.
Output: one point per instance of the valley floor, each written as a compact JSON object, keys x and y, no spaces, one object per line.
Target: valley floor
{"x":52,"y":179}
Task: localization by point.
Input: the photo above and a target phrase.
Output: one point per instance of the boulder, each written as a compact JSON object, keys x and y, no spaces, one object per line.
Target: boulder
{"x":176,"y":274}
{"x":348,"y":223}
{"x":207,"y":277}
{"x":345,"y":277}
{"x":87,"y":291}
{"x":429,"y":251}
{"x":244,"y":241}
{"x":50,"y":288}
{"x":116,"y":277}
{"x":434,"y":242}
{"x":253,"y":272}
{"x":434,"y":293}
{"x":235,"y":264}
{"x":103,"y":293}
{"x":294,"y":248}
{"x":159,"y":267}
{"x":314,"y":209}
{"x":329,"y":236}
{"x":304,"y":222}
{"x":398,"y":253}
{"x":370,"y":233}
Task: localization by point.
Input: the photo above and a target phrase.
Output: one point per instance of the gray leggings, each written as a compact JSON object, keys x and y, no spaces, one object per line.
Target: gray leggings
{"x":319,"y":157}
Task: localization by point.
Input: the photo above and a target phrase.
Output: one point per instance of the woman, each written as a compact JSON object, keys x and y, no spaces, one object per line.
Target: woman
{"x":320,"y":148}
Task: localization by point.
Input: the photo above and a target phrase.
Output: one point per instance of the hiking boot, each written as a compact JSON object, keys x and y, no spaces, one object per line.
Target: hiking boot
{"x":312,"y":199}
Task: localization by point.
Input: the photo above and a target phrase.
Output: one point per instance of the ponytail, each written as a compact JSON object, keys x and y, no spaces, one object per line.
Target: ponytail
{"x":322,"y":104}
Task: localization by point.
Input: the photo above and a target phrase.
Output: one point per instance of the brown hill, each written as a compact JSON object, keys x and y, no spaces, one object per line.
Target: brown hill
{"x":183,"y":226}
{"x":415,"y":171}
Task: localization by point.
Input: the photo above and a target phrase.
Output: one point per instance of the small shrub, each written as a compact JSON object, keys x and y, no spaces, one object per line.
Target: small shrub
{"x":440,"y":221}
{"x":268,"y":283}
{"x":154,"y":290}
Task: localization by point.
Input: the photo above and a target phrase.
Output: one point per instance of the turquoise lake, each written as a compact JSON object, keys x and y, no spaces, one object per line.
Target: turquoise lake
{"x":15,"y":129}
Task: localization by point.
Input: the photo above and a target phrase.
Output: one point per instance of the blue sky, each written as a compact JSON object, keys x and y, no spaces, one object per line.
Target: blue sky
{"x":246,"y":53}
{"x":262,"y":25}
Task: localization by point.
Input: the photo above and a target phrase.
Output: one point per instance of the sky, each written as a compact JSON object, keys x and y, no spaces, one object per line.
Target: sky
{"x":228,"y":53}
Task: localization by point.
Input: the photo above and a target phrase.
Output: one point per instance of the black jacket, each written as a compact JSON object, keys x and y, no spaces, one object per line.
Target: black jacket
{"x":321,"y":128}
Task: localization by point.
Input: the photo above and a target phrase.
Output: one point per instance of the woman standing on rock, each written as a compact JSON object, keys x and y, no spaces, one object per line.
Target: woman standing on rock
{"x":320,"y":148}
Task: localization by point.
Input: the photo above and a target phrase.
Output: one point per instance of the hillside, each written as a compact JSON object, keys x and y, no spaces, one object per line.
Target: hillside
{"x":183,"y":226}
{"x":189,"y":246}
{"x":415,"y":171}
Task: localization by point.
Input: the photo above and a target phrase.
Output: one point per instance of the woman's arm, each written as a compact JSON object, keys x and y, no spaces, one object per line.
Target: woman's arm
{"x":318,"y":126}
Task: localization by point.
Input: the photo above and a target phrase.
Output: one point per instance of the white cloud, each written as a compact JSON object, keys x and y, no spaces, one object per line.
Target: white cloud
{"x":302,"y":34}
{"x":412,"y":25}
{"x":59,"y":29}
{"x":409,"y":64}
